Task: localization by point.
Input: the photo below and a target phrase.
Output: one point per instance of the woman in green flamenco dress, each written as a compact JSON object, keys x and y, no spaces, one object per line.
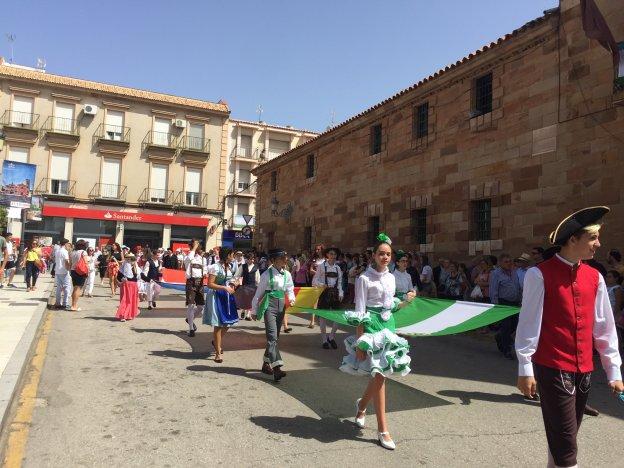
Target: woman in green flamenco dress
{"x":376,"y":351}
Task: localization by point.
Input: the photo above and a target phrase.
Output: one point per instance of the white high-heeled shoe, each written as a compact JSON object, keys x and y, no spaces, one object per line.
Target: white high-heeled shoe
{"x":359,"y":422}
{"x":387,"y":444}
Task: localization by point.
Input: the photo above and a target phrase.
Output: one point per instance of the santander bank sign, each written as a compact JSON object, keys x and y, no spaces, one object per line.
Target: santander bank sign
{"x":111,"y":215}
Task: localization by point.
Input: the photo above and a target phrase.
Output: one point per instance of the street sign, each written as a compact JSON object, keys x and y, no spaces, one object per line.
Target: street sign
{"x":246,"y":231}
{"x":247,"y":218}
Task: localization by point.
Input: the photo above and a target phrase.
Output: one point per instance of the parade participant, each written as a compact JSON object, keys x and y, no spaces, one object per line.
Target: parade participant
{"x":376,"y":350}
{"x":275,"y":291}
{"x":402,"y":279}
{"x":196,"y":269}
{"x":150,"y":275}
{"x":248,"y":277}
{"x":128,"y":276}
{"x":102,"y":265}
{"x":220,"y":309}
{"x":565,"y":308}
{"x":316,"y":259}
{"x":114,"y":261}
{"x":91,"y":261}
{"x":329,"y":276}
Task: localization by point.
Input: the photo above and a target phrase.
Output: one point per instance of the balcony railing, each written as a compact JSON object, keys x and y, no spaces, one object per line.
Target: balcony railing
{"x":110,"y":132}
{"x":194,"y":199}
{"x":157,"y":196}
{"x":191,"y":143}
{"x":242,"y":188}
{"x":61,"y":125}
{"x":108,"y":191}
{"x":60,"y":187}
{"x":246,"y":153}
{"x":20,"y":120}
{"x":162,"y":139}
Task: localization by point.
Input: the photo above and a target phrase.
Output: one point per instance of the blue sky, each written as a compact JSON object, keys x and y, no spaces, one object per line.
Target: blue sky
{"x":300,"y":60}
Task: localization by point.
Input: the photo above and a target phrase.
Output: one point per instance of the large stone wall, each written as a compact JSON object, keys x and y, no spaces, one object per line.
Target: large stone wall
{"x":554,"y":142}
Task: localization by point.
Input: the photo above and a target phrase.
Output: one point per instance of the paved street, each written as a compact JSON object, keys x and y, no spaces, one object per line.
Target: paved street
{"x":142,"y":393}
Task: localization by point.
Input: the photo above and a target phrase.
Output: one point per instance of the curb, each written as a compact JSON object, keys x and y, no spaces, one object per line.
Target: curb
{"x":11,"y":380}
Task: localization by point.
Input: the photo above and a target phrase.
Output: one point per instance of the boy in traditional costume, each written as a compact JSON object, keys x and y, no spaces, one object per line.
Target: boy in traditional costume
{"x":196,"y":267}
{"x":329,"y":276}
{"x":565,"y":308}
{"x":275,"y":292}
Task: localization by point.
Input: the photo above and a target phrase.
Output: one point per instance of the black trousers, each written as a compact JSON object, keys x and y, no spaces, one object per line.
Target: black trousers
{"x":31,"y":274}
{"x":507,"y":329}
{"x":563,"y":396}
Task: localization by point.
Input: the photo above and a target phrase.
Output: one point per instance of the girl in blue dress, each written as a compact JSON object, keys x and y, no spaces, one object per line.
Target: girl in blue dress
{"x":220,"y":309}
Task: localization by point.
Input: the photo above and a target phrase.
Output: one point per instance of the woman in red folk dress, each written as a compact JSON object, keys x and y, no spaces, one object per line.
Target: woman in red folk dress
{"x":128,"y":292}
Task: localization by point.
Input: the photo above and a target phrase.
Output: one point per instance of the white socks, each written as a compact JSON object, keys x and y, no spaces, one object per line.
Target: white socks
{"x":190,"y":315}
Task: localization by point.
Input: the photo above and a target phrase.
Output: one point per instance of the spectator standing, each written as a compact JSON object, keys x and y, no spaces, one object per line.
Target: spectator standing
{"x":522,"y":265}
{"x":90,"y":282}
{"x":11,"y":264}
{"x":614,"y":259}
{"x":4,"y":258}
{"x":31,"y":263}
{"x":78,"y":280}
{"x":61,"y":278}
{"x":483,"y":280}
{"x":537,"y":253}
{"x":455,"y":284}
{"x":428,"y":288}
{"x":505,"y":290}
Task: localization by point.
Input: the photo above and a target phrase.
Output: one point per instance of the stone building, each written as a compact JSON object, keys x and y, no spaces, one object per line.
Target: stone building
{"x":113,"y":162}
{"x":251,"y":144}
{"x":484,"y":156}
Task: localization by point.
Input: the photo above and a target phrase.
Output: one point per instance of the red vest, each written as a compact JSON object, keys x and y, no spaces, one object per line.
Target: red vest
{"x":565,"y":341}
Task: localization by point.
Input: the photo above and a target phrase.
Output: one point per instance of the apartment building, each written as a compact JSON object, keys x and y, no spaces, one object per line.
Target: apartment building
{"x":115,"y":163}
{"x":249,"y":145}
{"x":482,"y":157}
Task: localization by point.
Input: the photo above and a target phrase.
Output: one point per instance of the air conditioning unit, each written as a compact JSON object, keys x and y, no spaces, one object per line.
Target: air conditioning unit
{"x":90,"y":109}
{"x":179,"y":123}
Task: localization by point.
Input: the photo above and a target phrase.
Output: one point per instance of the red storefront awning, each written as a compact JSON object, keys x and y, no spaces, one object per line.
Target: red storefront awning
{"x":110,"y":215}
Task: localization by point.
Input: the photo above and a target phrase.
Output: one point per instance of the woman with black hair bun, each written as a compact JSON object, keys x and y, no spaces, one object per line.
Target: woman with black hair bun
{"x":220,"y":309}
{"x":376,"y":350}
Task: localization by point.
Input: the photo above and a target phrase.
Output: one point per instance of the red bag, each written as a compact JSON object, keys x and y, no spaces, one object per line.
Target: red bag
{"x":81,"y":267}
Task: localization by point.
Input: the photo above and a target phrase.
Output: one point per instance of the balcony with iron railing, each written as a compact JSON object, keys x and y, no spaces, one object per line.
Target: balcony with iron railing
{"x":109,"y":193}
{"x":112,"y":138}
{"x":160,"y":145}
{"x":194,"y":149}
{"x":61,"y":131}
{"x":241,"y":153}
{"x":21,"y":120}
{"x":242,"y":189}
{"x":154,"y":196}
{"x":196,"y":200}
{"x":56,"y":188}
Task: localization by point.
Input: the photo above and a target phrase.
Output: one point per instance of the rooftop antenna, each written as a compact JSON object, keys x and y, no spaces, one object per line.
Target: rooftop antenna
{"x":11,"y":38}
{"x":332,"y":119}
{"x":259,"y":112}
{"x":41,"y":63}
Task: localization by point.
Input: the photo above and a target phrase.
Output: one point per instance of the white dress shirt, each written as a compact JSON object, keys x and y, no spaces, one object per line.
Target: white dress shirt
{"x":374,"y":289}
{"x":403,"y":281}
{"x":282,"y":281}
{"x":530,"y":324}
{"x":201,"y":268}
{"x":319,"y":277}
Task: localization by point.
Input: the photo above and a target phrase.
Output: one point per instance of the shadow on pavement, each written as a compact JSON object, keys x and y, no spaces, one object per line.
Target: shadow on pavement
{"x":106,"y":319}
{"x":467,"y":397}
{"x":324,"y":430}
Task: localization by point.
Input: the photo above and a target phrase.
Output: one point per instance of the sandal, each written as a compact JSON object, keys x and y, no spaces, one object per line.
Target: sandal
{"x":218,"y":359}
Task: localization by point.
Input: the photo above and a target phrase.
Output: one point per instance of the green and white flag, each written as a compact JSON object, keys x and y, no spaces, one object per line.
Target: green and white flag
{"x":432,"y":317}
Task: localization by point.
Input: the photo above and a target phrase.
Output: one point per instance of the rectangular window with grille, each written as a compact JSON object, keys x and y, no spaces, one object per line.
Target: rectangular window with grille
{"x":307,"y":238}
{"x":311,"y":166}
{"x":273,"y":181}
{"x":483,"y":94}
{"x":421,"y":120}
{"x":482,"y":219}
{"x":419,"y":226}
{"x":375,"y":139}
{"x":374,"y":228}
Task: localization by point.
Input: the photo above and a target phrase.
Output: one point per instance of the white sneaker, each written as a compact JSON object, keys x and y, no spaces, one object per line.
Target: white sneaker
{"x":387,"y":444}
{"x":359,"y":422}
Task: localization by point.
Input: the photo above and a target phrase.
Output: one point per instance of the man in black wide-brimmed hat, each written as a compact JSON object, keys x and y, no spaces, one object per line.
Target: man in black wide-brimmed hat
{"x":566,"y":308}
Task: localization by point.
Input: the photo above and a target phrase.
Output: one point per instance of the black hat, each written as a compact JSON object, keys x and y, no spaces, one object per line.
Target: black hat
{"x":575,"y":222}
{"x":275,"y":253}
{"x":550,"y":252}
{"x":336,"y":250}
